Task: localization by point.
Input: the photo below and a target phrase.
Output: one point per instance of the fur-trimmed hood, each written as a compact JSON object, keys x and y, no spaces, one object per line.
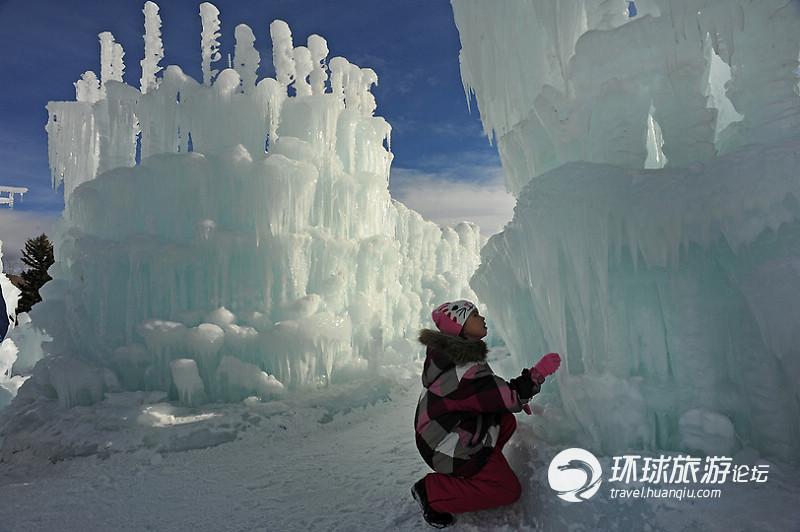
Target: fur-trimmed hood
{"x":444,"y":352}
{"x":458,"y":350}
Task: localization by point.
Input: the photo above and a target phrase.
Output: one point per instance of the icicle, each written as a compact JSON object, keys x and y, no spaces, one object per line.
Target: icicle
{"x":274,"y":94}
{"x":655,"y":155}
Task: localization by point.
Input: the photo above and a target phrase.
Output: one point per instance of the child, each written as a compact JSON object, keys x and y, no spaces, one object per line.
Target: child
{"x":465,"y":417}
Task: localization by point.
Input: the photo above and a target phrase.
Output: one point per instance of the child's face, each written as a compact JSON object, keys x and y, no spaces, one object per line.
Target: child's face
{"x":475,"y":326}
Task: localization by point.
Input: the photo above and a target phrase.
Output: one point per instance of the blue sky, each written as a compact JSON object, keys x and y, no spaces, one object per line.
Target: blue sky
{"x":439,"y":149}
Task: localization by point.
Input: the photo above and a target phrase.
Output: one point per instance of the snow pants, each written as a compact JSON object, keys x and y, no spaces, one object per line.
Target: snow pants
{"x":494,"y":485}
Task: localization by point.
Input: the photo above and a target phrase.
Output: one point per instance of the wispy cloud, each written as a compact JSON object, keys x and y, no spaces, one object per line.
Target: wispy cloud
{"x":16,"y":227}
{"x":474,"y":193}
{"x":447,"y":128}
{"x":368,"y":60}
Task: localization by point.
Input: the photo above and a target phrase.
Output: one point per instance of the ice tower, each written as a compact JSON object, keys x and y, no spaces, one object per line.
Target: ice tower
{"x":232,"y":236}
{"x":653,"y":148}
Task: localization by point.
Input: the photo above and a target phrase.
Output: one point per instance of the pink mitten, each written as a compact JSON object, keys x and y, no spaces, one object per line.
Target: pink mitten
{"x":548,"y":364}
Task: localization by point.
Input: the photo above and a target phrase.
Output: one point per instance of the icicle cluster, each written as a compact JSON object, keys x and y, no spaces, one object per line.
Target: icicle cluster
{"x":551,"y":90}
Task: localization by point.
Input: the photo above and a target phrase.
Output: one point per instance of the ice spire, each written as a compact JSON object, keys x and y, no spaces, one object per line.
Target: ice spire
{"x":368,"y":103}
{"x":282,"y":52}
{"x":246,"y":58}
{"x":352,"y":86}
{"x":319,"y":51}
{"x":208,"y":40}
{"x":153,"y":47}
{"x":303,"y":67}
{"x":87,"y":89}
{"x":339,"y":69}
{"x":112,"y":67}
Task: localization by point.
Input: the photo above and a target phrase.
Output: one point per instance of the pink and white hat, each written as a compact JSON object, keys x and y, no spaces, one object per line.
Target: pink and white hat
{"x":450,"y":317}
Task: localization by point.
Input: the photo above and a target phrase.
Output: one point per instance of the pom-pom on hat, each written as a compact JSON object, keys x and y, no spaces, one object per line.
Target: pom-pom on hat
{"x":450,"y":317}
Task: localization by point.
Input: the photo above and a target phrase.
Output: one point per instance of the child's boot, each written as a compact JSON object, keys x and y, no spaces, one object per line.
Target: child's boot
{"x":432,"y":517}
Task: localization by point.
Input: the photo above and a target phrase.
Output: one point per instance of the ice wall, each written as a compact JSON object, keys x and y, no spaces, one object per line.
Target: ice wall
{"x":656,"y":237}
{"x":577,"y":80}
{"x":235,"y":236}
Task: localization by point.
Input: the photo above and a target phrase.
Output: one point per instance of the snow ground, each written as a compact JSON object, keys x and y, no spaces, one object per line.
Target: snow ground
{"x":339,"y":460}
{"x":353,"y":471}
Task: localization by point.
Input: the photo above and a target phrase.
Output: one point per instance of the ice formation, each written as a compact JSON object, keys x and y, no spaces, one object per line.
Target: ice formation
{"x":8,"y":348}
{"x":656,"y":236}
{"x":233,"y":237}
{"x":592,"y":74}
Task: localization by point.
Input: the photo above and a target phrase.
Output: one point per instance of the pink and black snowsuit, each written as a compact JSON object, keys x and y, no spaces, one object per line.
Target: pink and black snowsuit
{"x":463,"y":418}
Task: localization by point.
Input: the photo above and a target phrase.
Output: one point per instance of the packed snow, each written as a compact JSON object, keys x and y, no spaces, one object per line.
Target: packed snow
{"x":336,"y":459}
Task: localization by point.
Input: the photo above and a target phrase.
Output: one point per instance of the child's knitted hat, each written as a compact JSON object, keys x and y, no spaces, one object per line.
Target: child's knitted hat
{"x":450,"y":317}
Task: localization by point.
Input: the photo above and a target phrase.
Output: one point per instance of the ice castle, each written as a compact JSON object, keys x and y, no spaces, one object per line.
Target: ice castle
{"x":233,"y":236}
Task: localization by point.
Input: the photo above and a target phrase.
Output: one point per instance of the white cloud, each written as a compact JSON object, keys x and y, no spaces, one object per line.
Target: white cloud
{"x":16,"y":227}
{"x":474,"y":193}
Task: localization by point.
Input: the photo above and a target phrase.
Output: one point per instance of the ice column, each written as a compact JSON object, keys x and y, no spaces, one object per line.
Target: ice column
{"x":282,"y":55}
{"x":319,"y":51}
{"x":246,"y":58}
{"x":209,"y":44}
{"x":153,"y":47}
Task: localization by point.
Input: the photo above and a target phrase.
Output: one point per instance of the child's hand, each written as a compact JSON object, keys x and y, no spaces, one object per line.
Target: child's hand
{"x":548,"y":364}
